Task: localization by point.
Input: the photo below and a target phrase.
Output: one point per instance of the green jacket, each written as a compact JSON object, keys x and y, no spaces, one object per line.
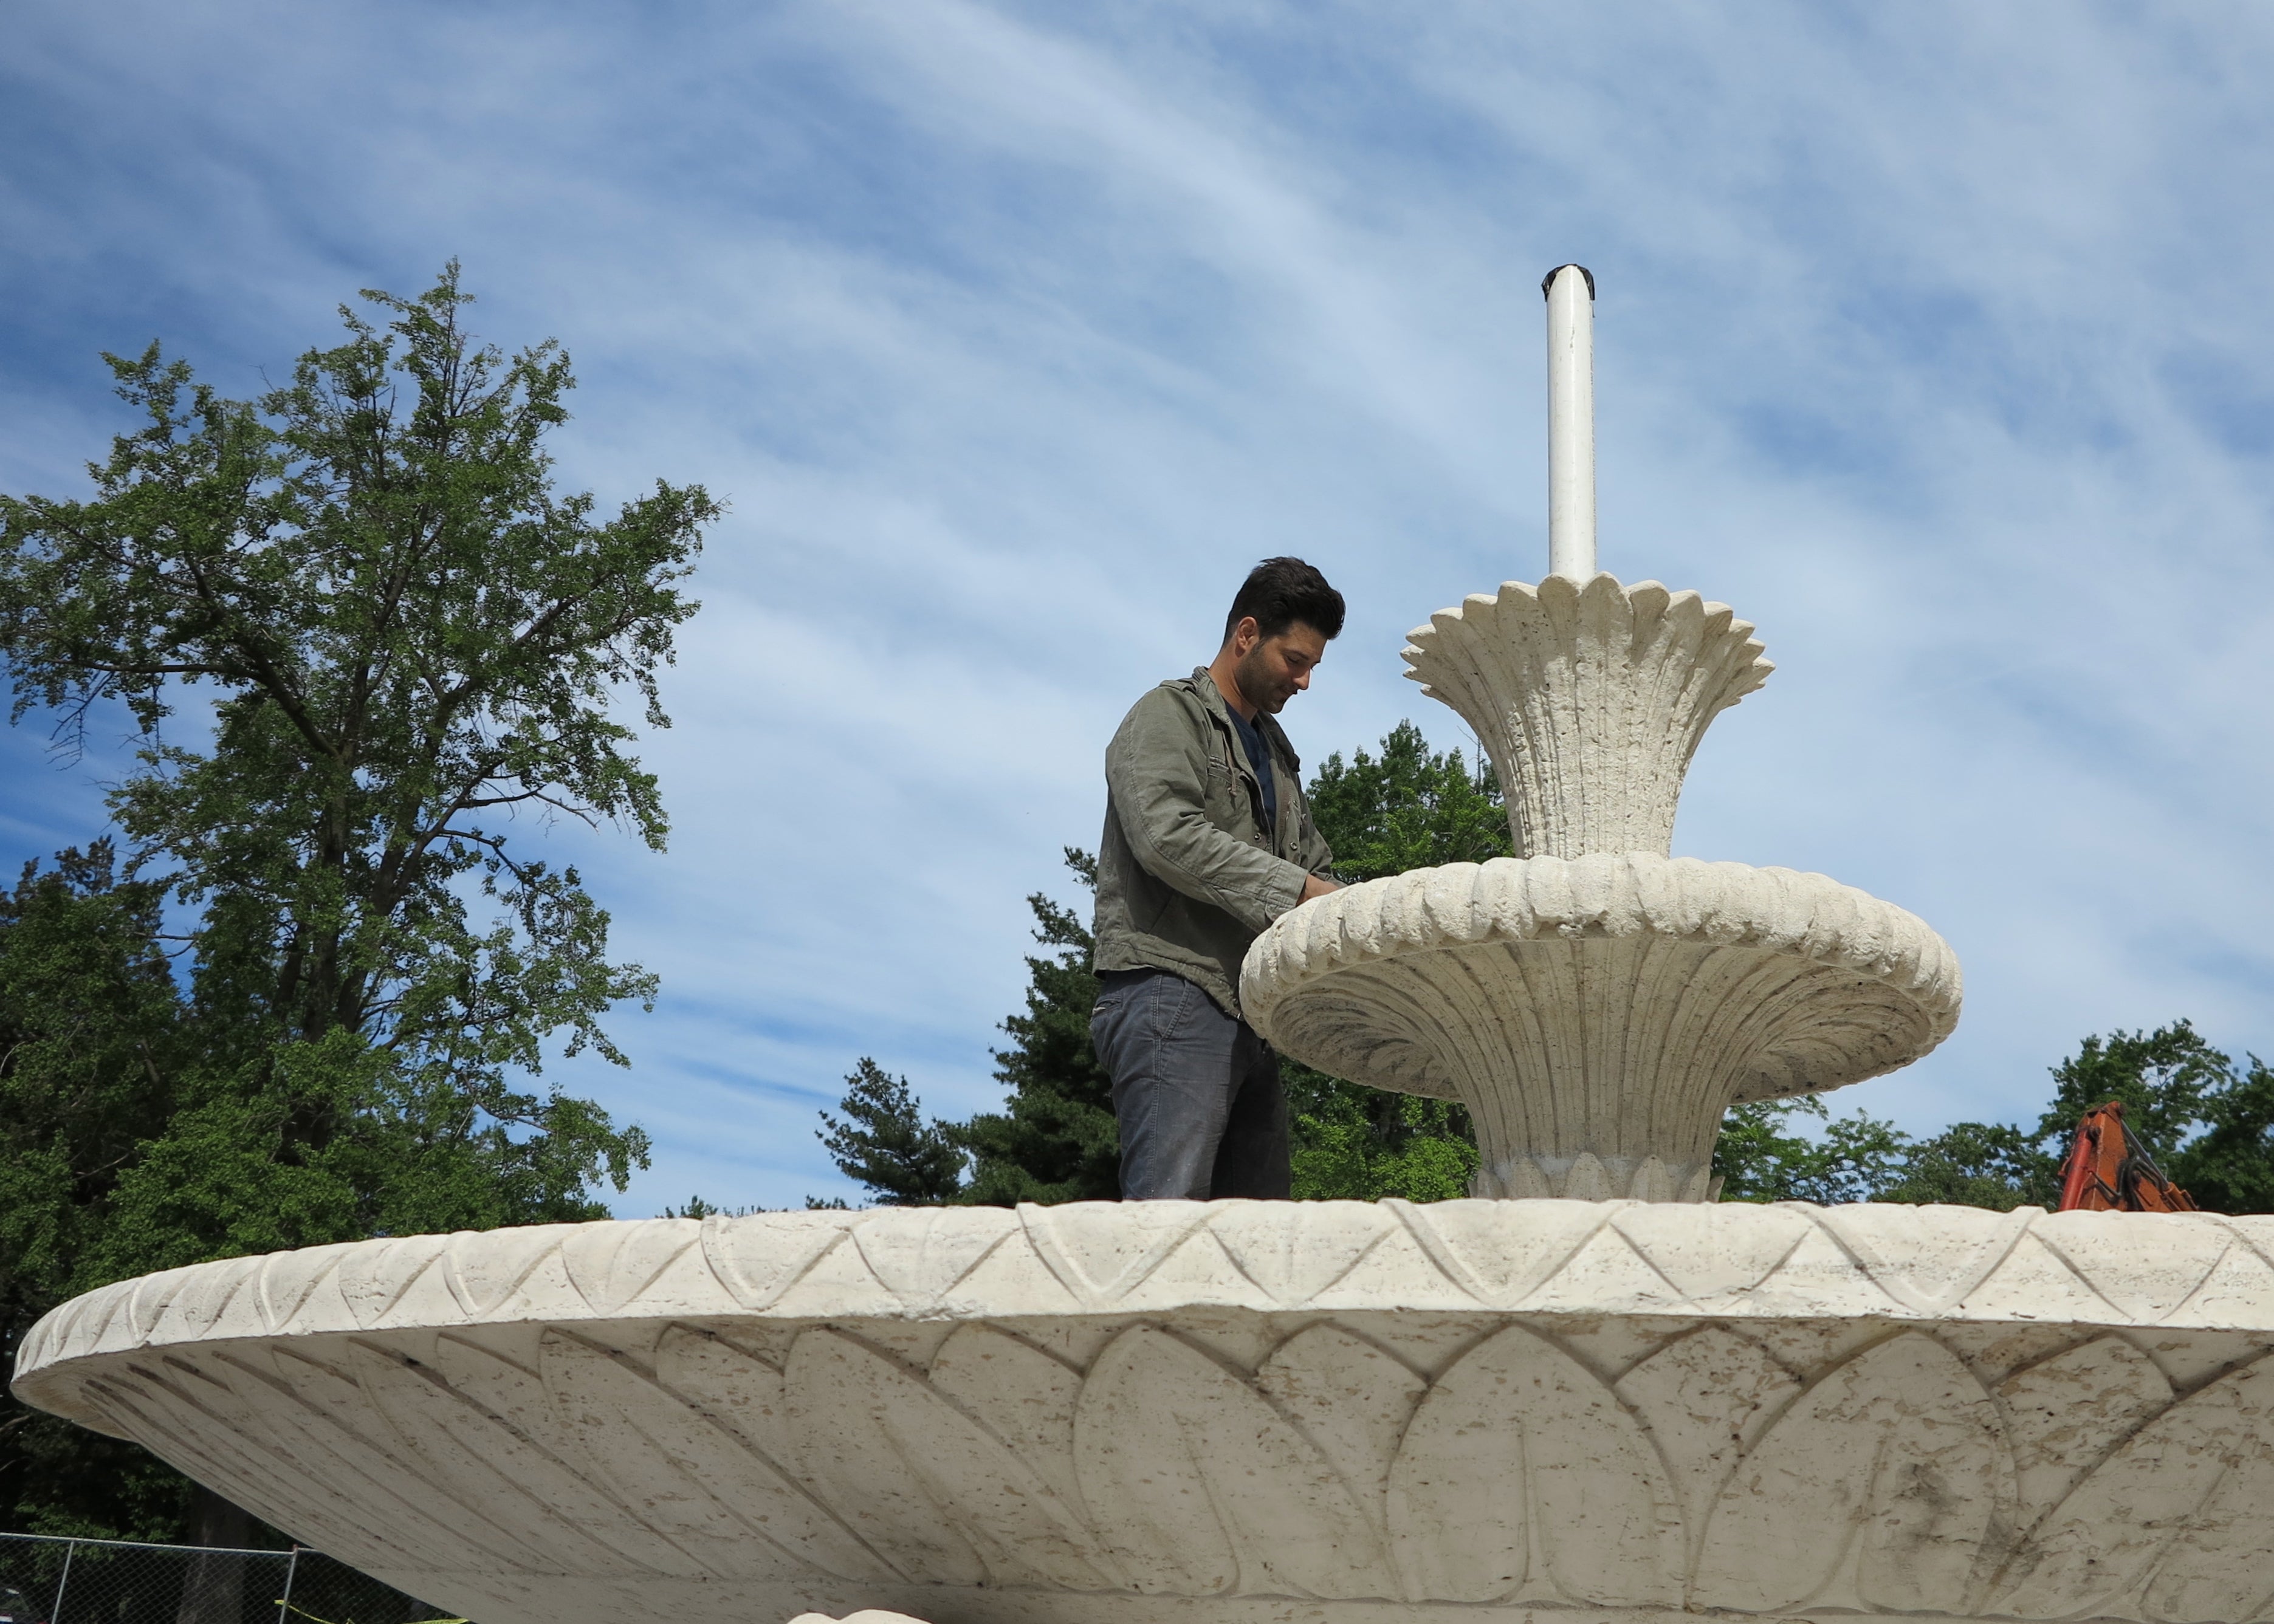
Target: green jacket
{"x":1187,"y":875}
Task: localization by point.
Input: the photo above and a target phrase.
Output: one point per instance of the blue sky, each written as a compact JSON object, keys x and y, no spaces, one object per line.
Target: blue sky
{"x":1935,"y":339}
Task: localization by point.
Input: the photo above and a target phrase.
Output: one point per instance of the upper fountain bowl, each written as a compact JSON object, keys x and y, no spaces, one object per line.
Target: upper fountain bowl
{"x":1590,"y":699}
{"x":1598,"y":1015}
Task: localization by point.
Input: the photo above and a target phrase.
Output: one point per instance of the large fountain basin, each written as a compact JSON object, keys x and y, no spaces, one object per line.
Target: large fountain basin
{"x":1236,"y":1411}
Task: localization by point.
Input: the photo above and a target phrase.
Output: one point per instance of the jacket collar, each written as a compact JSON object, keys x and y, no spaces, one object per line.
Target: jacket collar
{"x":1274,"y":738}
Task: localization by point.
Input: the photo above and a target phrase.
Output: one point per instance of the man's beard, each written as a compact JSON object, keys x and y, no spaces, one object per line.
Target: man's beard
{"x":1259,"y":686}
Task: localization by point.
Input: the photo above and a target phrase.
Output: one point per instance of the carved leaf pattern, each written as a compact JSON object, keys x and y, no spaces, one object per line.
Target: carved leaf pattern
{"x":1518,"y":1446}
{"x":1173,"y":1451}
{"x":1352,"y":1400}
{"x":1886,"y":1262}
{"x":921,"y":1262}
{"x":2066,"y":1413}
{"x":1023,"y":1395}
{"x":192,"y":1413}
{"x":728,"y":1508}
{"x":1705,"y":1398}
{"x":733,"y":1388}
{"x":321,"y":1415}
{"x":400,"y":1404}
{"x":719,"y":1385}
{"x":942,"y":1497}
{"x":479,"y":1460}
{"x":1881,"y":1479}
{"x":2144,"y":1520}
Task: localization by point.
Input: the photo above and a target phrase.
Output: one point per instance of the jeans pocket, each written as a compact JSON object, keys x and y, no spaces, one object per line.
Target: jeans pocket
{"x":1175,"y":1006}
{"x":1107,"y":1013}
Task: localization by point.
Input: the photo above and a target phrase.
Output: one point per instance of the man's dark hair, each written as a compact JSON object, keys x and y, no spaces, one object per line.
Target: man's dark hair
{"x":1280,"y":591}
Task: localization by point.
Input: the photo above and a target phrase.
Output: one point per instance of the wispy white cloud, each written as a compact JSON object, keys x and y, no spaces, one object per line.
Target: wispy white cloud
{"x":1932,"y":338}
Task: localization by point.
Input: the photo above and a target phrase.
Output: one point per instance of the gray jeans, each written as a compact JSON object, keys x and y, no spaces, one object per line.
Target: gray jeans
{"x":1195,"y":1091}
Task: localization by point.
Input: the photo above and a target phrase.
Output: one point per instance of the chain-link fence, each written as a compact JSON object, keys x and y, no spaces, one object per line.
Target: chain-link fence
{"x":51,"y":1581}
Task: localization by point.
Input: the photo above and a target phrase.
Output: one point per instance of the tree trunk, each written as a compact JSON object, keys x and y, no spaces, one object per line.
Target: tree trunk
{"x":212,"y":1591}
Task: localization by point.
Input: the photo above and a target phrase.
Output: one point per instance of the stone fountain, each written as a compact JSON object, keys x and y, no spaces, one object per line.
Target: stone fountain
{"x":1629,"y":1407}
{"x":1596,"y":1003}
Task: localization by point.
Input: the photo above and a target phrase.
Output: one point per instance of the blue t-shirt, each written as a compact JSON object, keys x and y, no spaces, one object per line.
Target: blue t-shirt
{"x":1258,"y":756}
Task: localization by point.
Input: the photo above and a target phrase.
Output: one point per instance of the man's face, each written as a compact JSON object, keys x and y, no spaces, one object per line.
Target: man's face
{"x":1273,"y":670}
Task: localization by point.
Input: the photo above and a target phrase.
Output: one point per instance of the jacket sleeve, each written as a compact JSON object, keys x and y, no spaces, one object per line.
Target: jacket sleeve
{"x":1156,"y":772}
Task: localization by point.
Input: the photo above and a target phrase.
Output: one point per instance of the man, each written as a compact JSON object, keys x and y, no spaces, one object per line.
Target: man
{"x":1207,"y":839}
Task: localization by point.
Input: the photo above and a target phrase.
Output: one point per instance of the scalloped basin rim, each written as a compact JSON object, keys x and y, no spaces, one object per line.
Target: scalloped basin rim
{"x":1233,"y":1412}
{"x":1237,"y":1410}
{"x":1868,"y":1261}
{"x":1604,"y":894}
{"x":1518,"y":985}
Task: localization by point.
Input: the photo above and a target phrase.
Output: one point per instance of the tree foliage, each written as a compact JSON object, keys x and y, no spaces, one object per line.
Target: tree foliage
{"x":2208,"y":1122}
{"x":1358,"y":1144}
{"x":92,"y":1040}
{"x":886,"y":1143}
{"x":1409,"y":808}
{"x":1759,"y":1160}
{"x":1055,"y":1139}
{"x":358,"y":637}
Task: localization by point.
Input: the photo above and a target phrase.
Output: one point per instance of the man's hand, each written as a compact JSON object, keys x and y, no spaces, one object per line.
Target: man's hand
{"x":1316,"y":885}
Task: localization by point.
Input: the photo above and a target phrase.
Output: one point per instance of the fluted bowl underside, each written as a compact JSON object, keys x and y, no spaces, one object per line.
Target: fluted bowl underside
{"x":1610,"y":1006}
{"x":1236,"y":1412}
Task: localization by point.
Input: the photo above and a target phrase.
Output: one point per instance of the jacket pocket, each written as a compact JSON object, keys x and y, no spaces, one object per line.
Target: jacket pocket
{"x":1223,"y":796}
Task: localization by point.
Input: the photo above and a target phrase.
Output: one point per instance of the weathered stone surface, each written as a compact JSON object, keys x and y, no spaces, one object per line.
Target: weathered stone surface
{"x":1237,"y":1411}
{"x":1596,"y":1004}
{"x":1590,"y":701}
{"x":1597,"y":1015}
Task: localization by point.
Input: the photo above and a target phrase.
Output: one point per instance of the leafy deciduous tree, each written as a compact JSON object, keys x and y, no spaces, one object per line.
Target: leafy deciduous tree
{"x":91,"y":1042}
{"x":2209,"y":1124}
{"x":1758,"y":1160}
{"x":358,"y":633}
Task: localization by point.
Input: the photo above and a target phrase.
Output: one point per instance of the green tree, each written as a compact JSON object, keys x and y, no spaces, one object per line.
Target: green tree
{"x":2163,"y":1078}
{"x":1408,"y":807}
{"x":1353,"y":1143}
{"x":92,"y":1040}
{"x":1055,"y":1137}
{"x":1989,"y":1164}
{"x":2210,"y":1125}
{"x":1759,"y":1159}
{"x":358,"y":634}
{"x":2230,"y":1168}
{"x":885,"y":1144}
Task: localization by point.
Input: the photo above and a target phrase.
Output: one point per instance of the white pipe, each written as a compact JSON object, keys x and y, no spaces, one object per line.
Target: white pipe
{"x":1571,"y":293}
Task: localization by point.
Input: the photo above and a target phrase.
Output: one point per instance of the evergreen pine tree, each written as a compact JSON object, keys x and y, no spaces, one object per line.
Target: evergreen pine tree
{"x":1055,"y":1139}
{"x":886,"y":1144}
